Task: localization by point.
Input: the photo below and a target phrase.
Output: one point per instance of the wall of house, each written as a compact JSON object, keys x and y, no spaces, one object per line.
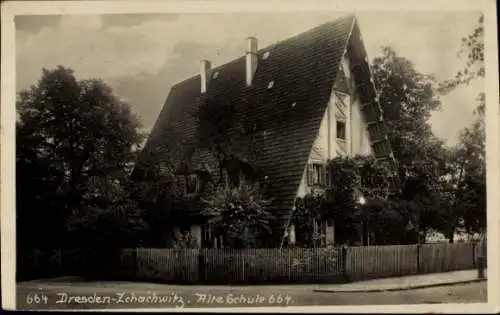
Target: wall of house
{"x":196,"y":233}
{"x":360,"y":141}
{"x":321,"y":146}
{"x":326,"y":145}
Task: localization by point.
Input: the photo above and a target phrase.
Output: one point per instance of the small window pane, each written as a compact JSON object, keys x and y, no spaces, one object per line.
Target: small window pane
{"x":316,"y":172}
{"x":341,"y":130}
{"x":317,"y":175}
{"x":192,"y":184}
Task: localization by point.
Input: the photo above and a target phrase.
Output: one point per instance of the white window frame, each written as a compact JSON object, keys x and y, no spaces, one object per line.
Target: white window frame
{"x":317,"y":174}
{"x":344,"y":122}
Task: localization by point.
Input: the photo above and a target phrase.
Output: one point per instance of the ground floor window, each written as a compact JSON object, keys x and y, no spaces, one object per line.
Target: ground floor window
{"x":206,"y":236}
{"x":192,"y":184}
{"x":316,"y":175}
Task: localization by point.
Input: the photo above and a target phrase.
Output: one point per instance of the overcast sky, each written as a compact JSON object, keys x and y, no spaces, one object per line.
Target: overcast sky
{"x":142,"y":55}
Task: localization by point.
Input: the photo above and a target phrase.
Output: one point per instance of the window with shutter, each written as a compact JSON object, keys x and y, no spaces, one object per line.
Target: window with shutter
{"x":192,"y":184}
{"x":322,"y":179}
{"x":316,"y":175}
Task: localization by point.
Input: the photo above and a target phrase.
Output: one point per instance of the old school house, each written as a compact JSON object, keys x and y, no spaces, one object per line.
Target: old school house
{"x":312,"y":97}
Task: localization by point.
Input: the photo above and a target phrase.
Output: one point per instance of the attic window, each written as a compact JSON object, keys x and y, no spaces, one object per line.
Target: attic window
{"x":270,"y":84}
{"x":266,"y":55}
{"x":215,"y":75}
{"x":341,"y":130}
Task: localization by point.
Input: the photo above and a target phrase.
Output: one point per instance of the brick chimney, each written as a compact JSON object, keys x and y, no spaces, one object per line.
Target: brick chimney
{"x":251,"y":59}
{"x":205,"y":66}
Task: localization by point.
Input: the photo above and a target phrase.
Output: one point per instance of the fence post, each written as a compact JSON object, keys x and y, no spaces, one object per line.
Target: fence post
{"x":344,"y":263}
{"x":474,"y":248}
{"x":201,"y":266}
{"x":134,"y":263}
{"x":480,"y":267}
{"x":418,"y":258}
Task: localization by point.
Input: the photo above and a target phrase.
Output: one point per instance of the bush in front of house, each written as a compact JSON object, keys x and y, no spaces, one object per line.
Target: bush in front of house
{"x":240,"y":214}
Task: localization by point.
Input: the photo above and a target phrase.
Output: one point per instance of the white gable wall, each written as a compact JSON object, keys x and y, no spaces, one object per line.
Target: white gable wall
{"x":326,"y":146}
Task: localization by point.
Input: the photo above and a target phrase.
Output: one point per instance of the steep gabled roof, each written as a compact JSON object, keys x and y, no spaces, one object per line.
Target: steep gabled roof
{"x":303,"y":70}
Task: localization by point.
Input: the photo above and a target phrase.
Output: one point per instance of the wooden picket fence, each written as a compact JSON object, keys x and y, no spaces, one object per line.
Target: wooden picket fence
{"x":288,"y":265}
{"x":291,"y":265}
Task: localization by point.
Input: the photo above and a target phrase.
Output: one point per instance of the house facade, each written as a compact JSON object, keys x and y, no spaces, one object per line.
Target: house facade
{"x":313,"y":99}
{"x":343,"y":132}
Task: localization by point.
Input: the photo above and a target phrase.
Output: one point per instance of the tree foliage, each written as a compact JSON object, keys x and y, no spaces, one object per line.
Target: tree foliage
{"x":240,"y":215}
{"x":468,"y":156}
{"x":307,"y":213}
{"x":70,"y":134}
{"x":408,"y":99}
{"x":473,"y":51}
{"x":471,"y":188}
{"x":351,"y":178}
{"x":109,"y":217}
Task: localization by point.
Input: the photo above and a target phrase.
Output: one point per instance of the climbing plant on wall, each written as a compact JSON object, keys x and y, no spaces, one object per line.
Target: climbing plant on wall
{"x":350,"y":178}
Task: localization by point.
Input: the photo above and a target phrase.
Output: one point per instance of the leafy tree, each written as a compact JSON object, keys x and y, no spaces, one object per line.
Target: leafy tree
{"x":473,"y":50}
{"x":469,"y":160}
{"x":306,"y":215}
{"x":69,"y":133}
{"x":240,"y":215}
{"x":471,"y":192}
{"x":388,"y":221}
{"x":108,"y":217}
{"x":158,"y":193}
{"x":408,"y":99}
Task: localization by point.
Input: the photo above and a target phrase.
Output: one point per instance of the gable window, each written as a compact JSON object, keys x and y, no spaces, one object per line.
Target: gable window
{"x":341,"y":130}
{"x":192,"y":184}
{"x":316,"y":175}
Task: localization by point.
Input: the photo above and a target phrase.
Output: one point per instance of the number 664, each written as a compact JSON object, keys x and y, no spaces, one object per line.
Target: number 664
{"x":36,"y":299}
